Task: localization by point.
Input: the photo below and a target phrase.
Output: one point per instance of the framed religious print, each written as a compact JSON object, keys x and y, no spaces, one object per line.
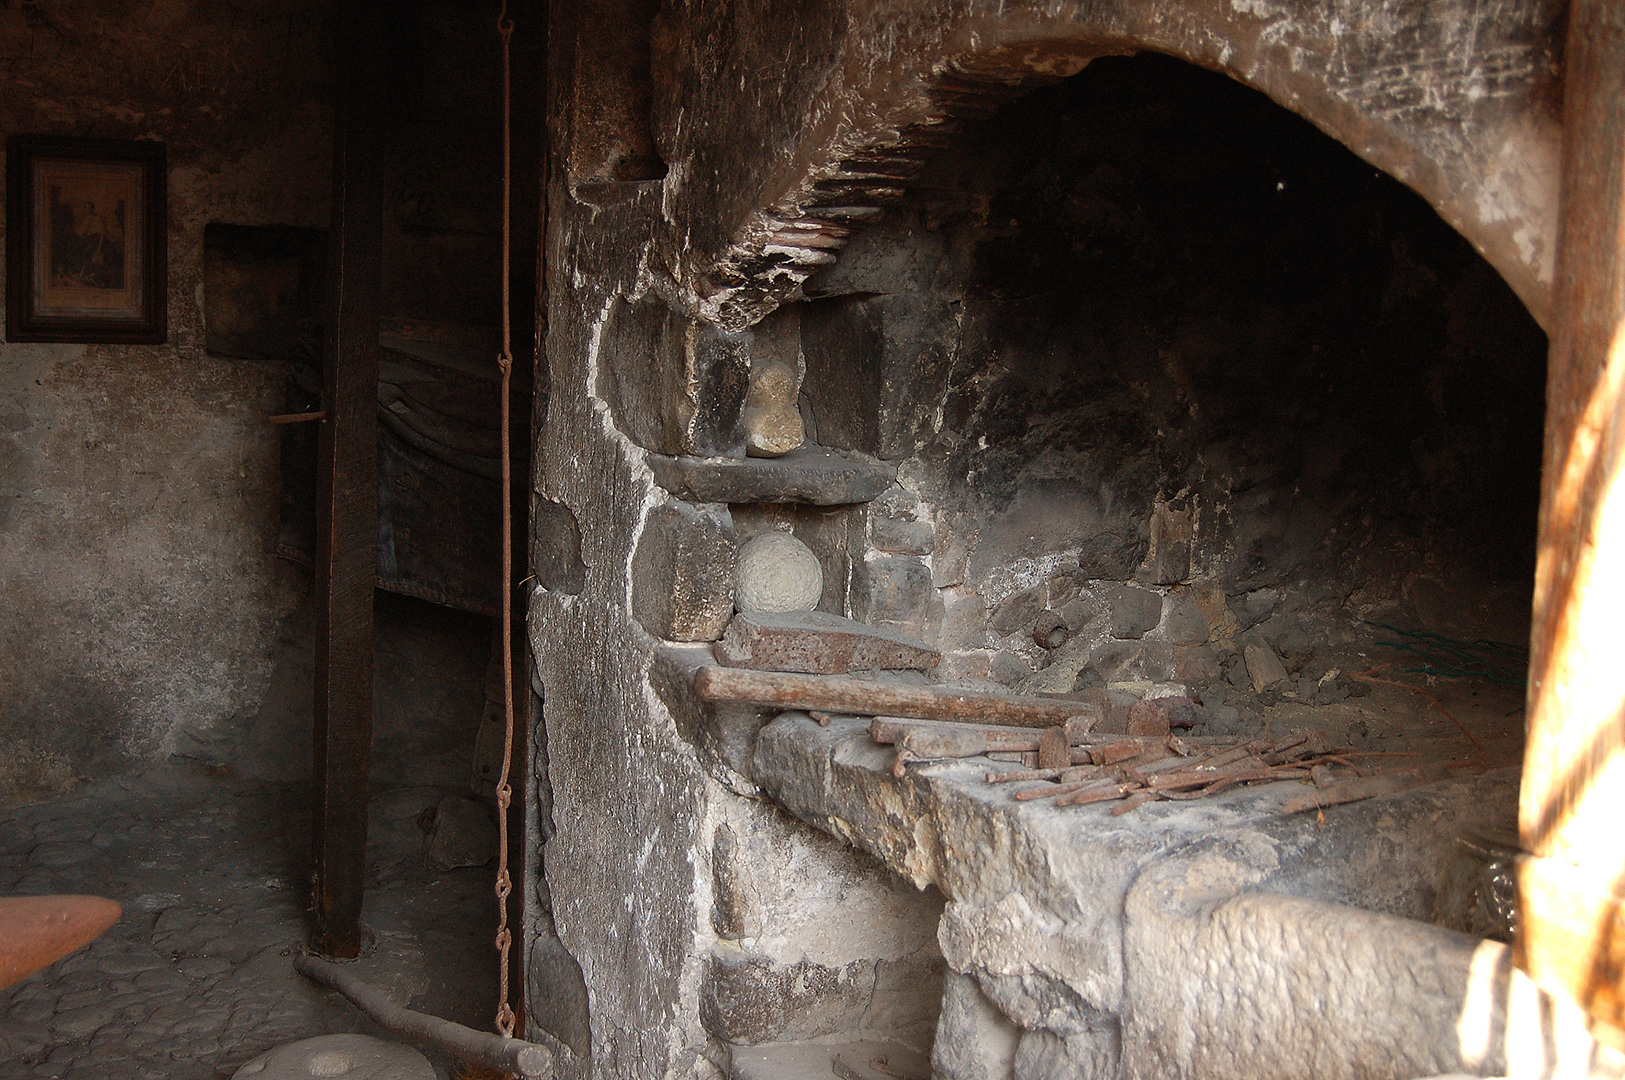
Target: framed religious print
{"x":86,"y":240}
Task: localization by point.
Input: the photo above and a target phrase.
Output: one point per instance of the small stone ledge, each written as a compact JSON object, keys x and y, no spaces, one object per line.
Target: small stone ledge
{"x":814,"y":475}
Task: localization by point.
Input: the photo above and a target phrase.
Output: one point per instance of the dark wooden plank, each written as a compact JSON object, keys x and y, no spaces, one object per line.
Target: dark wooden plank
{"x":347,"y":486}
{"x":1571,"y":936}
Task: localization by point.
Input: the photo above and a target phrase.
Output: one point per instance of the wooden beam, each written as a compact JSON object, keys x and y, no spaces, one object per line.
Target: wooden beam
{"x":871,"y":697}
{"x":1571,"y":937}
{"x":347,"y":486}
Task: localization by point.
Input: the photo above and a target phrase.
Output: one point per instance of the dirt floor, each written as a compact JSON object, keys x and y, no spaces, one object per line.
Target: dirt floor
{"x":197,"y":976}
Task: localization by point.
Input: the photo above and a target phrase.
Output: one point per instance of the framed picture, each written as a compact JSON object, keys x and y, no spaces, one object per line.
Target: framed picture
{"x":86,"y":240}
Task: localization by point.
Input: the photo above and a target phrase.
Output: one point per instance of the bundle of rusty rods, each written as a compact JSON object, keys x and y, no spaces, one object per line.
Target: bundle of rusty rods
{"x":1078,"y":768}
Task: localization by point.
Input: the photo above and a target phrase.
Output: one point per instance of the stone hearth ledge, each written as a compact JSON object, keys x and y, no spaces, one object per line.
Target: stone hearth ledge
{"x":1183,"y":939}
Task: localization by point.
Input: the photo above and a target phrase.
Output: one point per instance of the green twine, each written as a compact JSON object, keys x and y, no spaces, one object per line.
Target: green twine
{"x":1453,"y":658}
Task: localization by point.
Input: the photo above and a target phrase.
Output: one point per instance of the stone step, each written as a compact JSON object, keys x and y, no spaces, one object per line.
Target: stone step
{"x":814,"y":475}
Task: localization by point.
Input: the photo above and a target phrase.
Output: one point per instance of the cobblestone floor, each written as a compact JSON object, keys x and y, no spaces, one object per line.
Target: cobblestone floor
{"x":197,"y":976}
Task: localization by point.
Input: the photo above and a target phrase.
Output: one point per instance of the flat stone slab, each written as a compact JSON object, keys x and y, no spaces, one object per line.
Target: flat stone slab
{"x":818,"y":643}
{"x":813,"y":474}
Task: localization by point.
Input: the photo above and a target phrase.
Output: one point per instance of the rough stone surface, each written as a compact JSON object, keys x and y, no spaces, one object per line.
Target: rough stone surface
{"x":1183,"y":621}
{"x":1393,"y":996}
{"x":975,"y":1041}
{"x":1017,"y":612}
{"x":197,"y":977}
{"x":1035,"y":892}
{"x":462,"y":834}
{"x":901,"y":537}
{"x":817,"y":642}
{"x":138,"y":483}
{"x":1134,"y":611}
{"x":778,"y":573}
{"x":360,"y":1057}
{"x":683,"y":573}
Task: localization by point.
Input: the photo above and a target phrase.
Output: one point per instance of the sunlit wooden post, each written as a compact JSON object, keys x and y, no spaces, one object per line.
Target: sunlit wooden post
{"x":1572,"y":814}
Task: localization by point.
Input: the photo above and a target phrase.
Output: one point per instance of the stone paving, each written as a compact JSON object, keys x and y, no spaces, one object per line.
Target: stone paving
{"x":197,"y":976}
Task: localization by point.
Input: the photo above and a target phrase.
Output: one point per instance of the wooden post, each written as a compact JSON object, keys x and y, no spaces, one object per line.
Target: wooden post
{"x":1571,"y":936}
{"x":347,"y":487}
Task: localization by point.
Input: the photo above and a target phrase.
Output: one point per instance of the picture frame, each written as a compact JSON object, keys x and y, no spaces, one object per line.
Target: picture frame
{"x":87,"y":240}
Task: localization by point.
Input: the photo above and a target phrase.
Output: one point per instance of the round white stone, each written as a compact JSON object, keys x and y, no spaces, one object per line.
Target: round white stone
{"x":777,"y":572}
{"x":354,"y":1057}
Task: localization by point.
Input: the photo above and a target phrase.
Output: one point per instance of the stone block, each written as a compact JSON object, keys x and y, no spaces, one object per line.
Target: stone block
{"x":964,"y":623}
{"x":748,"y":999}
{"x":1264,"y":668}
{"x":818,"y":643}
{"x":896,"y":589}
{"x":1196,"y":665}
{"x":1254,"y":607}
{"x":1148,"y":717}
{"x":683,"y":573}
{"x":1183,"y":622}
{"x":1112,"y":555}
{"x":901,"y":537}
{"x":1015,"y":613}
{"x":555,"y":547}
{"x":1133,"y":611}
{"x":1008,"y":668}
{"x":556,"y":994}
{"x":1125,"y":661}
{"x":462,"y":834}
{"x":1064,"y":587}
{"x":975,"y":1041}
{"x":1090,"y":1055}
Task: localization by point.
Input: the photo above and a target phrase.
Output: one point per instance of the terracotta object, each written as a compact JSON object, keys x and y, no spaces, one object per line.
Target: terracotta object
{"x":37,"y":931}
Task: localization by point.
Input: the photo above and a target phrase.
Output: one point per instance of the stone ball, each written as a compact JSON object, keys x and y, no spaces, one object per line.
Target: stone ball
{"x":777,"y":572}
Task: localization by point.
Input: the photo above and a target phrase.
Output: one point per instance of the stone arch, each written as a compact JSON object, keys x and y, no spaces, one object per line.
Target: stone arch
{"x":1457,"y":100}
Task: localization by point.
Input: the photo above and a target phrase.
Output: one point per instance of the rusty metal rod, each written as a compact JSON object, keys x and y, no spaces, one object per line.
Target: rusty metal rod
{"x":529,"y":1060}
{"x":869,"y":697}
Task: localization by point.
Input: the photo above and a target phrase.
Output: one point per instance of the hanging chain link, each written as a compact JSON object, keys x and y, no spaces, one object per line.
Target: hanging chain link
{"x":504,"y":885}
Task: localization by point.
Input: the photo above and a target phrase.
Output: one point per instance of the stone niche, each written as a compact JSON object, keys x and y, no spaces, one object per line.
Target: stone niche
{"x":1161,"y":361}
